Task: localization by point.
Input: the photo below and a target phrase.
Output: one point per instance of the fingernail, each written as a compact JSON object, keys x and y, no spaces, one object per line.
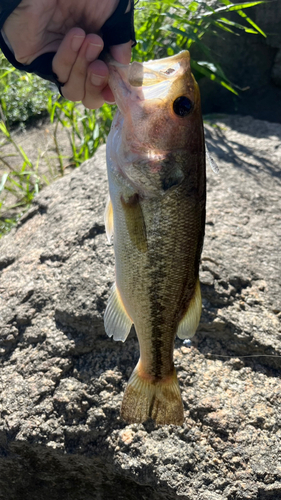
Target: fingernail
{"x":110,"y":102}
{"x":97,"y":80}
{"x":77,"y":42}
{"x":91,"y":52}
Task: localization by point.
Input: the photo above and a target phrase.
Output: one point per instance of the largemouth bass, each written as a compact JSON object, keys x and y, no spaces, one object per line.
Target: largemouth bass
{"x":156,"y":212}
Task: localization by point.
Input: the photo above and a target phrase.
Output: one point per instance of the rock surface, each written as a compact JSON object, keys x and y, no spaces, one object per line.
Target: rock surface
{"x":62,"y":379}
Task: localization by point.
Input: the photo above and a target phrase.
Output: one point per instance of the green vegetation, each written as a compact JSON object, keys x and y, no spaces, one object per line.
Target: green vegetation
{"x":86,"y":129}
{"x":163,"y":28}
{"x":23,"y":182}
{"x":23,"y":96}
{"x":174,"y":25}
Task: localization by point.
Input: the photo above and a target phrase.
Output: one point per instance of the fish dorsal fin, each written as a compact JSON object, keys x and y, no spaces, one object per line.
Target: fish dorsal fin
{"x":108,"y":219}
{"x":190,"y":321}
{"x":117,"y":323}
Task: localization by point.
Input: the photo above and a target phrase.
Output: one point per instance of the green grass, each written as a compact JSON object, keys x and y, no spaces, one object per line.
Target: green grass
{"x":86,"y":129}
{"x":22,"y":182}
{"x":162,"y":28}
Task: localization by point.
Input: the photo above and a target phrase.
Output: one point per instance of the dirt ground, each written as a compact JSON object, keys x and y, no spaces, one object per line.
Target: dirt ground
{"x":38,"y":143}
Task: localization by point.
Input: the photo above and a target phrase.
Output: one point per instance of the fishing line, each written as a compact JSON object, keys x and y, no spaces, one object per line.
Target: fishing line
{"x":188,"y":343}
{"x":211,"y":161}
{"x":245,"y":356}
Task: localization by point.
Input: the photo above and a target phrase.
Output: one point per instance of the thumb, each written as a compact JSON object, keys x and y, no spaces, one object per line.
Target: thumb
{"x":122,"y":53}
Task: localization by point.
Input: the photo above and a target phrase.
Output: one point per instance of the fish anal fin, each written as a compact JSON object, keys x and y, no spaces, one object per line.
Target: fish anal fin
{"x":146,"y":398}
{"x":108,"y":219}
{"x":117,"y":323}
{"x":190,"y":321}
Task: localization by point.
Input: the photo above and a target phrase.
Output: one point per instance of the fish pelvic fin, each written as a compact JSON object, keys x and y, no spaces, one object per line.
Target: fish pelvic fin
{"x":146,"y":397}
{"x":117,"y":323}
{"x":108,"y":219}
{"x":190,"y":321}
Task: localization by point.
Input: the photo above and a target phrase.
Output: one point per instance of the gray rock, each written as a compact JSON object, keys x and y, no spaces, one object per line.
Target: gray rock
{"x":62,"y":379}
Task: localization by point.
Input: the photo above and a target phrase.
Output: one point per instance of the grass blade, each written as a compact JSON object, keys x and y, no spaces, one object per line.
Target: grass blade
{"x":3,"y":181}
{"x":237,"y":25}
{"x":251,"y":22}
{"x":237,"y":7}
{"x":204,"y":70}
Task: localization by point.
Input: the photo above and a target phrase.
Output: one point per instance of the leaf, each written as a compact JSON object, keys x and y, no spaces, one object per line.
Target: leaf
{"x":96,"y":132}
{"x":204,"y":70}
{"x":4,"y":129}
{"x":242,"y":14}
{"x":14,"y":182}
{"x":7,"y":73}
{"x":237,"y":7}
{"x":244,"y":5}
{"x":179,"y":18}
{"x":193,"y":6}
{"x":3,"y":181}
{"x":46,"y":180}
{"x":237,"y":25}
{"x":25,"y":157}
{"x":224,"y":28}
{"x":229,"y":7}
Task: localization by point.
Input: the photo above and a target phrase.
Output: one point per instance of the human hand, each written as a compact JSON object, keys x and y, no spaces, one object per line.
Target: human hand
{"x":39,"y":26}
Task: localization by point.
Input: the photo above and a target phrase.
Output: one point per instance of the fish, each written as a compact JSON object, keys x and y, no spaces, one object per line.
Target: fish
{"x":156,"y":216}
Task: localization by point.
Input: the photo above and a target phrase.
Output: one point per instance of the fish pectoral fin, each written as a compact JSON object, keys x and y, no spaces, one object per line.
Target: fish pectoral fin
{"x":189,"y":323}
{"x":117,"y":323}
{"x":157,"y":399}
{"x":108,"y":219}
{"x":135,"y":222}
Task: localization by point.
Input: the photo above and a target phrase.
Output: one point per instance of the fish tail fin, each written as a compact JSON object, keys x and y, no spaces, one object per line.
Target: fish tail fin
{"x":146,"y":397}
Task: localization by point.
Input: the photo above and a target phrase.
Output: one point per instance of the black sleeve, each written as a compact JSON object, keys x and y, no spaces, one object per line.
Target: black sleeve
{"x":119,"y":28}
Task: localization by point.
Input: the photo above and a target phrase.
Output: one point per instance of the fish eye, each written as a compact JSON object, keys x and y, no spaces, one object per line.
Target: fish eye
{"x":182,"y":106}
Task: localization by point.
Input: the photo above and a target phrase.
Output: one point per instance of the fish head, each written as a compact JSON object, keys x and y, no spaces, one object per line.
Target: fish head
{"x":159,"y":123}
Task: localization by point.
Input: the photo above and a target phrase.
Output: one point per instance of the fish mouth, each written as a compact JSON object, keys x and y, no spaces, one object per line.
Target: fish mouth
{"x":146,"y":81}
{"x":154,"y":72}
